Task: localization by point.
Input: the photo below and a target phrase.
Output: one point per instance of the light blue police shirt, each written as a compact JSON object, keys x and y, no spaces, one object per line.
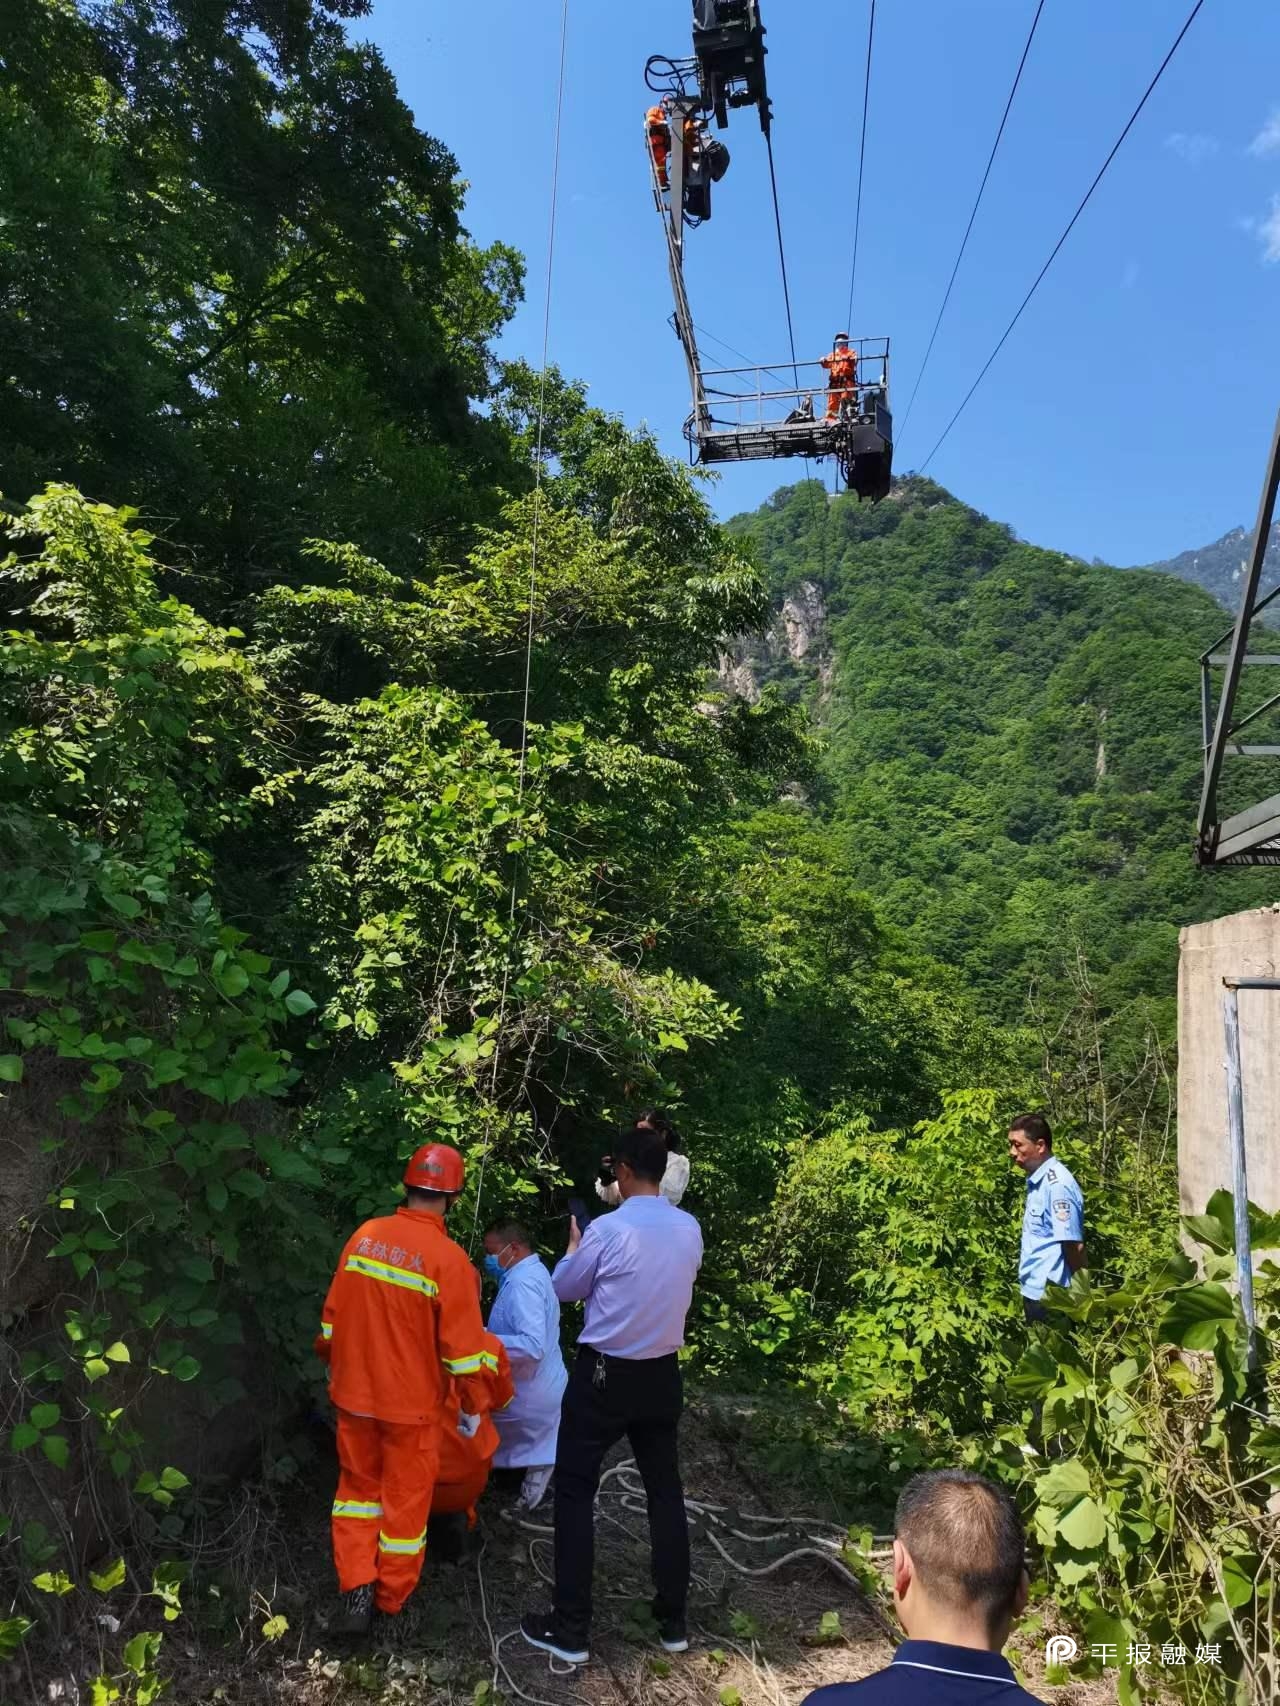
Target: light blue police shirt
{"x":1054,"y":1216}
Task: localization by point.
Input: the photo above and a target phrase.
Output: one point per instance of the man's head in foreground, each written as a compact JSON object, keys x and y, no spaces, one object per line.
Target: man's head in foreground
{"x":959,"y":1569}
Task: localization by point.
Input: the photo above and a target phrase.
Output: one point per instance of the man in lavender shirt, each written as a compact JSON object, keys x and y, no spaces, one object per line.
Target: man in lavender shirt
{"x":634,"y":1269}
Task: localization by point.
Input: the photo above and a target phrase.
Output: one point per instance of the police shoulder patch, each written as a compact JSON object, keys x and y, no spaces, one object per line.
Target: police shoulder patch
{"x":1051,"y":1176}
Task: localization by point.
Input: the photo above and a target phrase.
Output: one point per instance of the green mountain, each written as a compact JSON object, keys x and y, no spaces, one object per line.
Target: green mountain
{"x":1219,"y":567}
{"x":1011,"y":742}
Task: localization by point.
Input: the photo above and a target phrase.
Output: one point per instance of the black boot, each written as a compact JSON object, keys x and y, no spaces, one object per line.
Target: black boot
{"x":356,"y":1617}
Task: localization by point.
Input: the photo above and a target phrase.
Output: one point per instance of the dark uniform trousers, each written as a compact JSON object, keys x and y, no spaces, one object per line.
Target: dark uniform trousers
{"x":606,"y":1398}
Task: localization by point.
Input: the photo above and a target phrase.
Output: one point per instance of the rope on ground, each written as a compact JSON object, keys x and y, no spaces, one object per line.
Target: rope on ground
{"x":497,"y":1643}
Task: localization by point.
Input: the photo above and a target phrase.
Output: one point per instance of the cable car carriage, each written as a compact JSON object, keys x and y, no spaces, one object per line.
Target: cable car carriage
{"x":749,"y":414}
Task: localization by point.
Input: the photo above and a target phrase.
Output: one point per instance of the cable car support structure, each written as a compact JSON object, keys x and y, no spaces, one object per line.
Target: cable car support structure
{"x":750,"y":414}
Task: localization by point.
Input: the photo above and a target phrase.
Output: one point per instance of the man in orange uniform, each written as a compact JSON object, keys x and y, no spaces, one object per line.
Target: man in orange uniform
{"x":842,"y":368}
{"x":467,"y":1446}
{"x":400,"y":1331}
{"x":659,"y":129}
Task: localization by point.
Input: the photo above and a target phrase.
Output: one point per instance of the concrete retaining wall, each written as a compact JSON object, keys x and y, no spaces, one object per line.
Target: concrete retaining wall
{"x":1246,"y":944}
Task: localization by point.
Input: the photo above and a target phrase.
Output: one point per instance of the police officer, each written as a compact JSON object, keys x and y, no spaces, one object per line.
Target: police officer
{"x":1053,"y":1219}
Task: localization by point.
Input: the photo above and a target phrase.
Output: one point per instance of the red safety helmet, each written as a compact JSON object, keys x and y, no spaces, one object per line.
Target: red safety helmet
{"x":436,"y":1167}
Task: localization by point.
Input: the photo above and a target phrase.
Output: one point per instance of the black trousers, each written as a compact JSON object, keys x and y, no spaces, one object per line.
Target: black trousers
{"x":606,"y":1398}
{"x":1034,"y":1310}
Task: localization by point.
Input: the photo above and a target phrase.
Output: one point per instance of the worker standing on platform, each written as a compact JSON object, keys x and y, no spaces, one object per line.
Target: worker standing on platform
{"x":842,"y":376}
{"x":659,"y":131}
{"x":401,"y":1332}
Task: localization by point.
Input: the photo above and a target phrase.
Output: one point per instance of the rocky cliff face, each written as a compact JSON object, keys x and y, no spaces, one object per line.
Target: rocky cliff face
{"x":795,"y":650}
{"x":1219,"y":567}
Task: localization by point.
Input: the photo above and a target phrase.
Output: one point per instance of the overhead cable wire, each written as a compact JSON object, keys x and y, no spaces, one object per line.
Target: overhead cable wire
{"x":533,"y":568}
{"x":786,"y":289}
{"x":1053,"y":255}
{"x":782,"y":256}
{"x":995,"y":146}
{"x":862,"y":157}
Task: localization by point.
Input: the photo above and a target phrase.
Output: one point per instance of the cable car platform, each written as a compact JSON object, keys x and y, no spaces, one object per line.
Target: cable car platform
{"x":762,"y":414}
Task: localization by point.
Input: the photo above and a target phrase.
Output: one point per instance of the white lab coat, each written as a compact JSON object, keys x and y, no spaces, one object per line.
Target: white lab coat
{"x":526,"y":1317}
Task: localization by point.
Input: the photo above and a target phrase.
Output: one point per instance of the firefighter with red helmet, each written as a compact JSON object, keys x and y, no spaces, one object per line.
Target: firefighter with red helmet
{"x":842,"y":376}
{"x":402,"y":1335}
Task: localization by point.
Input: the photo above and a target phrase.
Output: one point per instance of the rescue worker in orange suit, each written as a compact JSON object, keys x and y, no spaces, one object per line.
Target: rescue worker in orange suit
{"x":467,"y":1447}
{"x":658,"y":127}
{"x":842,"y":380}
{"x":401,"y":1332}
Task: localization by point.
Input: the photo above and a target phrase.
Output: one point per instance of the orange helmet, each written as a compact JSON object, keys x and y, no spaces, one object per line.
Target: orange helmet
{"x":435,"y":1167}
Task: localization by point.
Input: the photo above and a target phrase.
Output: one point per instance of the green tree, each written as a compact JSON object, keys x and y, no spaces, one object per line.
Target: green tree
{"x":275,"y":324}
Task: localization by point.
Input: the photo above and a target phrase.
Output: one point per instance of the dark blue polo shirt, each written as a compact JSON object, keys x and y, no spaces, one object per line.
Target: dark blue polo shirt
{"x":932,"y":1673}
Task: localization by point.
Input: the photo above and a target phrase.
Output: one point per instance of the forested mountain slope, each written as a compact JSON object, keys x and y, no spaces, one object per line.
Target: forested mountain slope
{"x":1011,"y":738}
{"x":1218,"y":567}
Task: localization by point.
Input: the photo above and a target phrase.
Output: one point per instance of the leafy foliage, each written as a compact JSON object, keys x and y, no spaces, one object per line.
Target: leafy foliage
{"x":1153,"y":1513}
{"x":1013,"y":745}
{"x":274,"y":312}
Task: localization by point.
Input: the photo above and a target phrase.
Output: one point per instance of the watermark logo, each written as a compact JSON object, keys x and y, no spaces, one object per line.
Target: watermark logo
{"x":1059,"y":1650}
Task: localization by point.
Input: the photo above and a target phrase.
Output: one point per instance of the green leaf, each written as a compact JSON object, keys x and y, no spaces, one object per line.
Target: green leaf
{"x":118,"y":1352}
{"x":1238,"y":1578}
{"x":55,"y":1582}
{"x":1084,"y":1525}
{"x":1063,"y":1483}
{"x":124,"y":904}
{"x":279,"y":983}
{"x":1123,"y":1374}
{"x":186,"y":1368}
{"x":173,"y":1479}
{"x":112,"y":1577}
{"x":1190,"y":1310}
{"x":197,"y":1268}
{"x":233,"y":981}
{"x":140,"y":1653}
{"x":247,"y":1183}
{"x":274,"y":1627}
{"x":44,"y":1416}
{"x":13,"y":1631}
{"x":95,"y":1368}
{"x":56,"y":1449}
{"x":299,"y":1002}
{"x":730,"y":1697}
{"x":10,"y":1069}
{"x":23,"y":1437}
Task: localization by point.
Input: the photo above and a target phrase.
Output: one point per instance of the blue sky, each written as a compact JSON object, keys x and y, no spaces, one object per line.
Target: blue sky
{"x":1129,"y":414}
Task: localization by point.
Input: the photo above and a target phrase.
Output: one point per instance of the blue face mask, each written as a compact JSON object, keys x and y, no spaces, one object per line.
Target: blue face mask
{"x":494,"y":1268}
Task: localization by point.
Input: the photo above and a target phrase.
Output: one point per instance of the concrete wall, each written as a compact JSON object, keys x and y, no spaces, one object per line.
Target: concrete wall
{"x":1246,"y":944}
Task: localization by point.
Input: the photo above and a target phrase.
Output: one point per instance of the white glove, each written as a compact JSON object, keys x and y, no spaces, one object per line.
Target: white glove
{"x":468,"y":1426}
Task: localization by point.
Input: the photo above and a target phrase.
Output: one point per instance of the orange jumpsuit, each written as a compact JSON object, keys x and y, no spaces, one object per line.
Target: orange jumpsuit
{"x":402,"y":1335}
{"x":659,"y":142}
{"x":842,"y":366}
{"x":463,"y":1471}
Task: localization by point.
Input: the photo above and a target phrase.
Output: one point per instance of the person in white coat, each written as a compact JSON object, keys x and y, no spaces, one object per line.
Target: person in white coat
{"x":526,"y":1317}
{"x":675,"y":1179}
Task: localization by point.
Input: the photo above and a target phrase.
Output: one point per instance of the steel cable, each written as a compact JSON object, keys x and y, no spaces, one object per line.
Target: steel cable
{"x":1053,"y":255}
